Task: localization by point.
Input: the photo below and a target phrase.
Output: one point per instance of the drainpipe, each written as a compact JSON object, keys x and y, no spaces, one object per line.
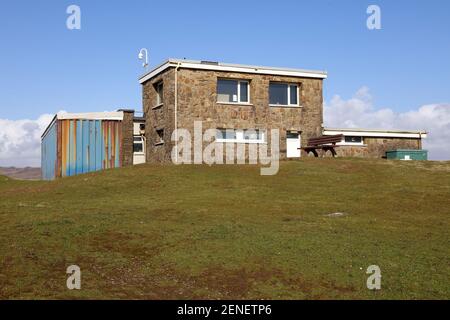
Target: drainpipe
{"x":176,"y":111}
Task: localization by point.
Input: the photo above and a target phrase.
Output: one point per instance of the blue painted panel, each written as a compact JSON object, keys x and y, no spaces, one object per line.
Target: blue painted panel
{"x":49,"y":153}
{"x":91,"y":145}
{"x":109,"y":148}
{"x":98,"y":145}
{"x":79,"y":147}
{"x":86,"y":140}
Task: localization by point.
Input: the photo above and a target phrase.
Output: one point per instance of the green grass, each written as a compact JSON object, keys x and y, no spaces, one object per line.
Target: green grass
{"x":160,"y":232}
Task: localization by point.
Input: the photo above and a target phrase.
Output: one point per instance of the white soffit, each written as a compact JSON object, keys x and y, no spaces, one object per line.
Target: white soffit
{"x":114,"y":115}
{"x":376,"y":133}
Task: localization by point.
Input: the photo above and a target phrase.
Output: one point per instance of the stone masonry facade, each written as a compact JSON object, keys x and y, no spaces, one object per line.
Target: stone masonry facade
{"x":197,"y":101}
{"x":127,"y":138}
{"x":376,"y":147}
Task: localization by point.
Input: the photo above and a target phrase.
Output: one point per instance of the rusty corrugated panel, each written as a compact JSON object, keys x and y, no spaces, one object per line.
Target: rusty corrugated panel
{"x":87,"y":145}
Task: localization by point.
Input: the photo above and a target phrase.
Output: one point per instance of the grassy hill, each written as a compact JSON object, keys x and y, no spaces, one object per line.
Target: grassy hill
{"x":158,"y":232}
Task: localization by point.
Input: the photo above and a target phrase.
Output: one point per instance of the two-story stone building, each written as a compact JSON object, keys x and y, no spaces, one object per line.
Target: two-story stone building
{"x":227,"y":96}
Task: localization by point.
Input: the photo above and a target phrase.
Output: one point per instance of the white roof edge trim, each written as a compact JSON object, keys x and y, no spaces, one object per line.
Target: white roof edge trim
{"x":376,"y":133}
{"x":189,"y":64}
{"x":113,"y":115}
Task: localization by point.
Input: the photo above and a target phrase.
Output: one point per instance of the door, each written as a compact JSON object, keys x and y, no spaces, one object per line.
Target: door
{"x":138,"y":150}
{"x":292,"y":144}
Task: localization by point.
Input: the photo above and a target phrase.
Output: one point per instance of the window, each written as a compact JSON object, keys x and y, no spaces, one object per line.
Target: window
{"x":283,"y":94}
{"x":232,"y":91}
{"x":138,"y":144}
{"x":160,"y":136}
{"x":225,"y":134}
{"x":353,"y":139}
{"x":240,"y":136}
{"x":159,"y":87}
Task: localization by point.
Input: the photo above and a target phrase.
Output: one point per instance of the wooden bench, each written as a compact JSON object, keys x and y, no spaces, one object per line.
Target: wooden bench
{"x":325,"y":143}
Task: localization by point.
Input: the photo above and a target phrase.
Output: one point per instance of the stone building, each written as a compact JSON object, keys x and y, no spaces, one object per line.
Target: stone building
{"x":240,"y":98}
{"x":231,"y":97}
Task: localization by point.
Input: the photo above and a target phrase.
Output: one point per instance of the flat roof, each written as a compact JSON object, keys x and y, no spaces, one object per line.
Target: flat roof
{"x":376,"y":132}
{"x":107,"y":115}
{"x":229,"y":67}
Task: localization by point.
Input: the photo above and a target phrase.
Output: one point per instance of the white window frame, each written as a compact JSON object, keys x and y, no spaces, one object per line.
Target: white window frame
{"x":240,"y":136}
{"x":143,"y":144}
{"x":288,"y":95}
{"x":238,"y":92}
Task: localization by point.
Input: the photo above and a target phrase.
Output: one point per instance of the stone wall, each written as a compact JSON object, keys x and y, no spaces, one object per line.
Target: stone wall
{"x":197,"y":101}
{"x":127,"y":137}
{"x":159,"y":116}
{"x":376,"y":147}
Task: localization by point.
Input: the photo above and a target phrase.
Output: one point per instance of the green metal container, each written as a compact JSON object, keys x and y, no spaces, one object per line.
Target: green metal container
{"x":405,"y":154}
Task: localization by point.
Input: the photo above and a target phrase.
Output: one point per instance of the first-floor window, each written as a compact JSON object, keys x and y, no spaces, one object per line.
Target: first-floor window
{"x":283,"y":94}
{"x":240,"y":135}
{"x":232,"y":91}
{"x":159,"y":87}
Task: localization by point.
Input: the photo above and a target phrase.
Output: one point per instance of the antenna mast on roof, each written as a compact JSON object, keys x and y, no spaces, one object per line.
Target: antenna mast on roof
{"x":143,"y":55}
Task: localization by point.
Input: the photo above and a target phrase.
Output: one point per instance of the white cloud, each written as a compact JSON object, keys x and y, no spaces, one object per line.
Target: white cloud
{"x":20,"y":141}
{"x":359,"y":112}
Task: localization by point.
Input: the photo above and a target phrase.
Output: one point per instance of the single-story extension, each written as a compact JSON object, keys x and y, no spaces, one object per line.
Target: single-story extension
{"x":372,"y":143}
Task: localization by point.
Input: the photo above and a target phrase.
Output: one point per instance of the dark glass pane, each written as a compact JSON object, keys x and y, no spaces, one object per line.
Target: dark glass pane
{"x":278,"y":93}
{"x":353,"y":139}
{"x":227,"y":91}
{"x":137,"y":147}
{"x":293,"y":93}
{"x":291,"y":135}
{"x":228,"y":134}
{"x":244,"y":91}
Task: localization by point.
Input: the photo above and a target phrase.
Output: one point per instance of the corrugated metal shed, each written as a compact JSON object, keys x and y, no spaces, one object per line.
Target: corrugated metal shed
{"x":81,"y":143}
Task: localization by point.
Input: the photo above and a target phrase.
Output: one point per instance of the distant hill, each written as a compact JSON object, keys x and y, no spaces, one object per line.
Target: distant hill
{"x":27,"y":173}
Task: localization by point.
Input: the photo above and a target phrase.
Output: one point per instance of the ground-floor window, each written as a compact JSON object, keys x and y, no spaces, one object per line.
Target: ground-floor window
{"x":138,"y":144}
{"x":241,"y":135}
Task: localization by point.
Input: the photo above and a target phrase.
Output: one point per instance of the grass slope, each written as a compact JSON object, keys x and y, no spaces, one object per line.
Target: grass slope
{"x":162,"y":232}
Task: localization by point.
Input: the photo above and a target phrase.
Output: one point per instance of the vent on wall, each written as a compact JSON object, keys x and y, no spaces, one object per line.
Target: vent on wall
{"x":210,"y":62}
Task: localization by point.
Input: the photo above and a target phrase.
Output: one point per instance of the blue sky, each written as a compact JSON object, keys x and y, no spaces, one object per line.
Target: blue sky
{"x":45,"y":67}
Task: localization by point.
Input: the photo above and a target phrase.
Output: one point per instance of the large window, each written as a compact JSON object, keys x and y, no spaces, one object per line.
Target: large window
{"x":232,"y":91}
{"x":283,"y":94}
{"x":240,"y":136}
